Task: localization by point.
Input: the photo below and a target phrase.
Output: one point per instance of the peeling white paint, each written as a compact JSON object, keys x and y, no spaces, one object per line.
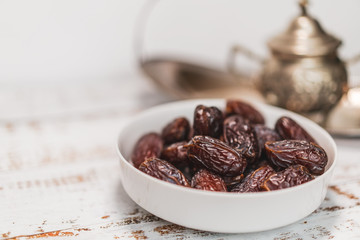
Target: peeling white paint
{"x":59,"y":175}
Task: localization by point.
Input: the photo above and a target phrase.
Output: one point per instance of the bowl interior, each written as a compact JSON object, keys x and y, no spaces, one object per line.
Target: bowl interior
{"x":190,"y":207}
{"x":154,"y":119}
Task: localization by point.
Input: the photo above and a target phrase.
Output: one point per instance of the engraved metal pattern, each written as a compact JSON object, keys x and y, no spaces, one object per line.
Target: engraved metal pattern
{"x":304,"y":73}
{"x":303,"y":84}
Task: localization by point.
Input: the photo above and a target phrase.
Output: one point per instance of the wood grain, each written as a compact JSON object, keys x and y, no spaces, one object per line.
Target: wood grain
{"x":59,"y":173}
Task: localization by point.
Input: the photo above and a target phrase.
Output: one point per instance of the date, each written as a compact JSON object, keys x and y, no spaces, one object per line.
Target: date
{"x":230,"y":182}
{"x":191,"y":169}
{"x":254,"y":181}
{"x":208,"y":181}
{"x":176,"y":131}
{"x":290,"y":129}
{"x":290,"y":152}
{"x":216,"y":156}
{"x":245,"y":110}
{"x":291,"y":176}
{"x":163,"y":170}
{"x":208,"y":121}
{"x":264,"y":134}
{"x":262,"y":161}
{"x":175,"y":153}
{"x":239,"y":134}
{"x":149,"y":145}
{"x":230,"y":151}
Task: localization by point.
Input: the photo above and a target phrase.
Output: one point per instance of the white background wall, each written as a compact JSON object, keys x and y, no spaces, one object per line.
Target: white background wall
{"x":66,"y":40}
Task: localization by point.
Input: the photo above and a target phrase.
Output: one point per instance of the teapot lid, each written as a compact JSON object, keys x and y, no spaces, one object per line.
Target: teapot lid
{"x":304,"y":37}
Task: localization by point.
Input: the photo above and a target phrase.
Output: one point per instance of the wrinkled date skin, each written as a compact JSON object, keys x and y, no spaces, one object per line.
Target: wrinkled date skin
{"x":216,"y":156}
{"x":239,"y":134}
{"x":149,"y":145}
{"x":290,"y":129}
{"x":208,"y":121}
{"x":230,"y":151}
{"x":290,"y":152}
{"x":260,"y":163}
{"x":264,"y":134}
{"x":254,"y":181}
{"x":176,"y":131}
{"x":291,"y":176}
{"x":230,"y":182}
{"x":245,"y":110}
{"x":163,"y":170}
{"x":175,"y":153}
{"x":190,"y":168}
{"x":208,"y":181}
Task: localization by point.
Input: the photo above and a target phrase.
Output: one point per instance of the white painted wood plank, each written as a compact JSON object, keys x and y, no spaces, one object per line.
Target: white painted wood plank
{"x":59,"y":173}
{"x":30,"y":144}
{"x":41,"y":99}
{"x":348,"y":165}
{"x":90,"y":196}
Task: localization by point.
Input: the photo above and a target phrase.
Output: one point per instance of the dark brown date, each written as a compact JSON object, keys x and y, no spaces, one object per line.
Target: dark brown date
{"x":290,"y":152}
{"x":191,"y":134}
{"x":232,"y":181}
{"x":290,"y":129}
{"x":239,"y":134}
{"x":254,"y":181}
{"x":245,"y":110}
{"x":291,"y":176}
{"x":208,"y":121}
{"x":216,"y":156}
{"x":163,"y":170}
{"x":230,"y":151}
{"x":149,"y":145}
{"x":264,"y":134}
{"x":176,"y":131}
{"x":190,"y":168}
{"x":262,"y":161}
{"x":208,"y":181}
{"x":175,"y":153}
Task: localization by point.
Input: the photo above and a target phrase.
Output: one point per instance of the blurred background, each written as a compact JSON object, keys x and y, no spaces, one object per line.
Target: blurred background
{"x":69,"y":79}
{"x":90,"y":40}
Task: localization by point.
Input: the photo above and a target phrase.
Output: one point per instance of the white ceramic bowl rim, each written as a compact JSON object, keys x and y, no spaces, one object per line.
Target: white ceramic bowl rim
{"x":226,"y":194}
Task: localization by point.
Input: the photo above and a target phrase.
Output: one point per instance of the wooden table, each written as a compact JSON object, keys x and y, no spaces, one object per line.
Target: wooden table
{"x":59,"y":173}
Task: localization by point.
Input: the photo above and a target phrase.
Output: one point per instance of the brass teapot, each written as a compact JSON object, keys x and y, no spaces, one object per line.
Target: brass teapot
{"x":303,"y":73}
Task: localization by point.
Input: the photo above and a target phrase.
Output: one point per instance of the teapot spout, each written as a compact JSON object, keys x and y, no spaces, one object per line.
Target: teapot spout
{"x":353,"y":60}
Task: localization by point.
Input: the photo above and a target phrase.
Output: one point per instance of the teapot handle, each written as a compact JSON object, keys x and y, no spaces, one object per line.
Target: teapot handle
{"x":231,"y":59}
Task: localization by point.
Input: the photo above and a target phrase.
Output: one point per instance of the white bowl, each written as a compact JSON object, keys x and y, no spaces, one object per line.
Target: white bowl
{"x":217,"y":211}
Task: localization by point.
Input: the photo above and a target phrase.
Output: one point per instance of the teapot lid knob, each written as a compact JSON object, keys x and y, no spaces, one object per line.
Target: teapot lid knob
{"x":303,"y":4}
{"x":304,"y":37}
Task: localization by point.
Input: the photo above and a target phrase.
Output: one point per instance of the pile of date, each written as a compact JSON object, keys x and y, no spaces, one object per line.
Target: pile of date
{"x":230,"y":151}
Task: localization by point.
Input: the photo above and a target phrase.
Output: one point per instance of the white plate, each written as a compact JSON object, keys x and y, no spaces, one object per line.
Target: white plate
{"x":216,"y":211}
